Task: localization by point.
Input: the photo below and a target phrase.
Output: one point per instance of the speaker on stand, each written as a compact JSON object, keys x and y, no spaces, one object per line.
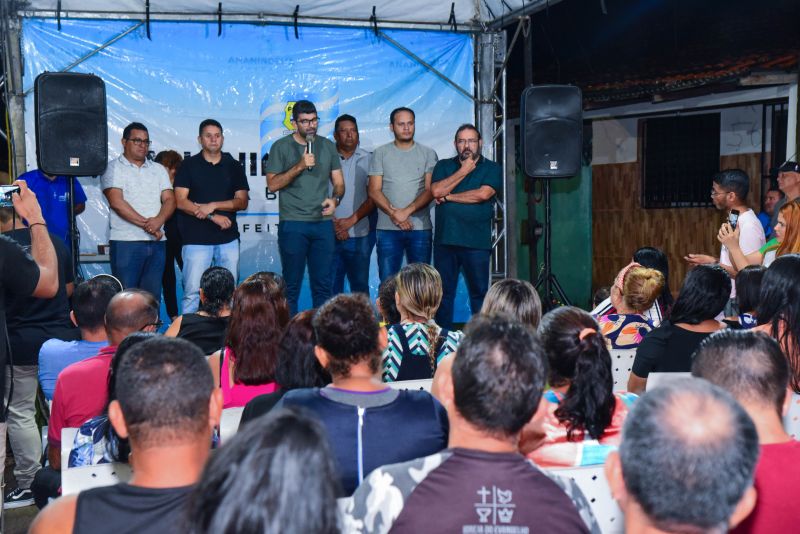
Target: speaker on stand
{"x":71,"y":133}
{"x":552,"y":140}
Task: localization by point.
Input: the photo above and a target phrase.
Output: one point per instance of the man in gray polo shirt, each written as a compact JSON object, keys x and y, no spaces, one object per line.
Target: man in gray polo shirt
{"x":300,"y":166}
{"x":353,"y":221}
{"x":140,"y":199}
{"x":400,"y":185}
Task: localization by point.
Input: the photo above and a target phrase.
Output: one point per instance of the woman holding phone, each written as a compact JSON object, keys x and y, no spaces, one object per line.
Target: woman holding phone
{"x":786,"y":240}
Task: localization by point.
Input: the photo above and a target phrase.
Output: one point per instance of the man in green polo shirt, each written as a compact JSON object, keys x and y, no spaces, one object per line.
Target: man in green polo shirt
{"x":300,"y":166}
{"x":464,"y":188}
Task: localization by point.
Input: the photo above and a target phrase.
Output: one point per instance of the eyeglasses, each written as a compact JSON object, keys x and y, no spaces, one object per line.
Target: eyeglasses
{"x":157,"y":324}
{"x":139,"y":142}
{"x":462,"y":142}
{"x":306,"y":122}
{"x":718,"y":193}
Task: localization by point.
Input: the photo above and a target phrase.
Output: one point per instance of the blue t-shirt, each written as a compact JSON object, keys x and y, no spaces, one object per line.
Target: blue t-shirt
{"x":55,"y":355}
{"x":765,"y":220}
{"x":52,"y":197}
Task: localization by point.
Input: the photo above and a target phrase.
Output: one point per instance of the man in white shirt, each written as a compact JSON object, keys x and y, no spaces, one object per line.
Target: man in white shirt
{"x":140,"y":199}
{"x":729,"y":192}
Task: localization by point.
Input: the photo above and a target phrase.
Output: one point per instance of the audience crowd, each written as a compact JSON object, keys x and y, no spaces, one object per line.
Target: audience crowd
{"x":331,"y":440}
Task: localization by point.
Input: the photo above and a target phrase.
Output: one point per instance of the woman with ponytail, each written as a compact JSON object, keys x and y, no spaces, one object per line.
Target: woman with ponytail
{"x":417,"y":344}
{"x":583,"y":416}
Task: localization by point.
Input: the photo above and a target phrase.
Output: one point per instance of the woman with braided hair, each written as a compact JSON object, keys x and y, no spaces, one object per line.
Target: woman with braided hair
{"x":417,"y":344}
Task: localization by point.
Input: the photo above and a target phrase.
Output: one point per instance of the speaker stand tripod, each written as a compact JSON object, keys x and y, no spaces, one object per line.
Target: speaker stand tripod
{"x":74,"y":247}
{"x":551,"y":290}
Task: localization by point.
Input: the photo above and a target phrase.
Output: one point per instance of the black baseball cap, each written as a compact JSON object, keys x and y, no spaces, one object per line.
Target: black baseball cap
{"x":790,"y":166}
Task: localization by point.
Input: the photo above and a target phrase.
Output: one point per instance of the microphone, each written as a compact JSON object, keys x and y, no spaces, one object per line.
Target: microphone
{"x":309,"y":141}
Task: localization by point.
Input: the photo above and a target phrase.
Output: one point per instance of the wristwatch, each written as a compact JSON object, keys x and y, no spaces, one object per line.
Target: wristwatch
{"x":338,"y":200}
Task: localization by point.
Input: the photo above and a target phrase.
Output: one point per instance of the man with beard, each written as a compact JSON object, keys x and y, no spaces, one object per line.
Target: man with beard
{"x":300,"y":166}
{"x":400,"y":185}
{"x":464,"y":188}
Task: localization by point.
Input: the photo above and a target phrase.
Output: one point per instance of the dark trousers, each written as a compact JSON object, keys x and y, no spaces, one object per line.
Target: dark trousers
{"x":168,"y":281}
{"x":306,"y":243}
{"x":449,"y":261}
{"x":46,"y":485}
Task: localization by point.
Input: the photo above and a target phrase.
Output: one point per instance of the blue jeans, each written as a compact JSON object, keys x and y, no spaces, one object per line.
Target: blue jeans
{"x":449,"y":260}
{"x":352,"y":259}
{"x":392,"y":244}
{"x":198,"y":258}
{"x":304,"y":243}
{"x":139,"y":264}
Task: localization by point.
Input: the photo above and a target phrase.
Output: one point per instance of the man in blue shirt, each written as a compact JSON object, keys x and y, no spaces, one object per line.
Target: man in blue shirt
{"x":52,"y":192}
{"x":464,"y":188}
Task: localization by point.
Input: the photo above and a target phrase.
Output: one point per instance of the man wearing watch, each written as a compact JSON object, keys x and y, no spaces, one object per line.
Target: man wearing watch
{"x":355,"y":217}
{"x":210,"y":188}
{"x":300,"y":166}
{"x":464,"y":188}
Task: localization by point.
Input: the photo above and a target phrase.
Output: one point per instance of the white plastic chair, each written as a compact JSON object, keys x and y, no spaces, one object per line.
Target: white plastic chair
{"x":77,"y":479}
{"x":655,"y":380}
{"x":229,"y":424}
{"x":791,"y":421}
{"x":421,"y":385}
{"x":621,"y":365}
{"x":592,"y":482}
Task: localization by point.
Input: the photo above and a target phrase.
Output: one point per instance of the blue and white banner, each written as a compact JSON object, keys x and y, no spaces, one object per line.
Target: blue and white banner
{"x":247,"y":78}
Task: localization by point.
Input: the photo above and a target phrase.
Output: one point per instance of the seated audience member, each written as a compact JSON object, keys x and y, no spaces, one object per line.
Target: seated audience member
{"x":89,"y":303}
{"x":368,"y":424}
{"x":652,"y":258}
{"x":705,"y":292}
{"x":751,"y":367}
{"x":786,"y":240}
{"x":207,"y":327}
{"x":778,"y":310}
{"x":495,"y":389}
{"x":275,"y":475}
{"x":297,"y":366}
{"x":748,"y":289}
{"x":82,"y":388}
{"x":276,"y":291}
{"x":167,"y":407}
{"x":686,"y":461}
{"x":387,"y":307}
{"x":417,"y":344}
{"x":633,"y":293}
{"x":583,"y":415}
{"x":245,"y":367}
{"x":601,"y":294}
{"x":96,"y":441}
{"x":514,"y":298}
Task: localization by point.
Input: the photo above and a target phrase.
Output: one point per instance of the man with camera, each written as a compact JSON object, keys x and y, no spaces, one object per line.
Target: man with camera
{"x":464,"y":188}
{"x":23,"y":274}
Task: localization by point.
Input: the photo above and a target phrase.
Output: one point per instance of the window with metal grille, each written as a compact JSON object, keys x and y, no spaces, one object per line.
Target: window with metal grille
{"x":680,"y":155}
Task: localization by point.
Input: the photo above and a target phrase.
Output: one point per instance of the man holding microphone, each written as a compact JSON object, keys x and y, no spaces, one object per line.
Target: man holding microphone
{"x":300,"y":166}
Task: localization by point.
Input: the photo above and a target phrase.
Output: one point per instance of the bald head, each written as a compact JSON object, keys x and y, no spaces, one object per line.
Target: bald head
{"x":688,"y":453}
{"x":748,"y":365}
{"x":130,"y":311}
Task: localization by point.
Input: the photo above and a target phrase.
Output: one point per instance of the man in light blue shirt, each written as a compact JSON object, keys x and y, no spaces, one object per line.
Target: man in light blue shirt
{"x":89,"y":303}
{"x":355,"y":217}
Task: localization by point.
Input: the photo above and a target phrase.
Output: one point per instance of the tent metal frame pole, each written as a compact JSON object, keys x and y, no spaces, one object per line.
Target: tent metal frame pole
{"x":490,"y":53}
{"x":16,"y":100}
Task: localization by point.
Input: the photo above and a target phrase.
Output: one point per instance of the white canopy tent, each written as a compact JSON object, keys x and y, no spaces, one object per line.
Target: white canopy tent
{"x":484,"y":19}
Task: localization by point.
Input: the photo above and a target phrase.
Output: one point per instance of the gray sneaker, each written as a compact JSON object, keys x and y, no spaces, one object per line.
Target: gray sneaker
{"x":18,"y":498}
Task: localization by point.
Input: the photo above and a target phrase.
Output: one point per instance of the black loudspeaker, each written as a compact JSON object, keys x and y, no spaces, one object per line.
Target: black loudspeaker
{"x":552,"y":130}
{"x":71,"y":126}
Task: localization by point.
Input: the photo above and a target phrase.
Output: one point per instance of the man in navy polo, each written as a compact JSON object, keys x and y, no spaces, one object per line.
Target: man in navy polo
{"x":52,"y":192}
{"x":464,"y":188}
